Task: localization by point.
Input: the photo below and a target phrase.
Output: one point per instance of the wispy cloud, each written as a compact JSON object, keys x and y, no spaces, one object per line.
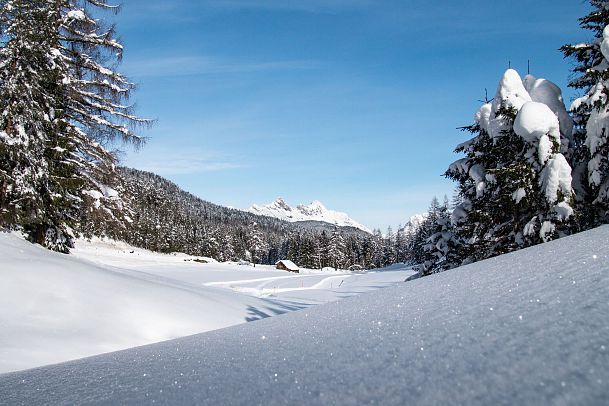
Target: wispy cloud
{"x":182,"y":163}
{"x":186,"y":65}
{"x":311,"y":6}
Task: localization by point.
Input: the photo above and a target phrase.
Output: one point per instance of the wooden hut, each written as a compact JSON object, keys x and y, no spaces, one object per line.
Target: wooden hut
{"x":286,"y":265}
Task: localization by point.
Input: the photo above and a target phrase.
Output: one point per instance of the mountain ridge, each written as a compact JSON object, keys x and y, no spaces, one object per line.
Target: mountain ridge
{"x":315,"y":211}
{"x":414,"y":223}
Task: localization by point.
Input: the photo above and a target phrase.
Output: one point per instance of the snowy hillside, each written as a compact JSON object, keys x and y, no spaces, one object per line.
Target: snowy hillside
{"x":315,"y":211}
{"x":109,"y":296}
{"x":529,"y":327}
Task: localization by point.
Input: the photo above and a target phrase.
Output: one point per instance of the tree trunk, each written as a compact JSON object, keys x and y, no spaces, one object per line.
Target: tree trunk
{"x":3,"y":187}
{"x":39,"y":233}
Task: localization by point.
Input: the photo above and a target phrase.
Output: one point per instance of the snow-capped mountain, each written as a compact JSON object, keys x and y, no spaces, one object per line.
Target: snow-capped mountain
{"x":414,"y":223}
{"x":315,"y":211}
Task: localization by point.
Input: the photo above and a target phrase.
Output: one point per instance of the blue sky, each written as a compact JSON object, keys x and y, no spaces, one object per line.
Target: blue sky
{"x":351,"y":102}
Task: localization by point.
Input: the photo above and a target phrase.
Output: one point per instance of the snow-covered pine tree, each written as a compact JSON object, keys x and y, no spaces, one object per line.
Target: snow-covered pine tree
{"x":376,"y":249}
{"x":515,"y":182}
{"x":211,"y":243}
{"x":317,"y":256}
{"x":336,"y":249}
{"x":400,"y":245}
{"x":38,"y":180}
{"x":294,"y":247}
{"x":590,"y":158}
{"x":389,"y":247}
{"x":442,"y":244}
{"x":25,"y":103}
{"x":307,"y":252}
{"x":256,"y":244}
{"x":228,"y":248}
{"x":53,"y":154}
{"x":321,"y":252}
{"x":422,"y":234}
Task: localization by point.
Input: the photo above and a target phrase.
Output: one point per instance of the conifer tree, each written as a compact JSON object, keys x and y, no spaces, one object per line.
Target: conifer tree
{"x":591,"y":115}
{"x":389,"y":247}
{"x":24,"y":104}
{"x":61,"y":108}
{"x":442,"y":244}
{"x":322,"y":245}
{"x":317,"y":255}
{"x":400,"y":248}
{"x":256,"y":244}
{"x":515,"y":183}
{"x":420,"y":238}
{"x":377,"y":248}
{"x":336,"y":249}
{"x":228,"y":249}
{"x":36,"y":169}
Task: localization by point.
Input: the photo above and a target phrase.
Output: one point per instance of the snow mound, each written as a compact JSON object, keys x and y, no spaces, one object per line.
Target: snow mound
{"x":56,"y":307}
{"x":515,"y":93}
{"x":536,"y":120}
{"x":605,"y":43}
{"x":537,"y":124}
{"x":483,"y":116}
{"x":548,"y":93}
{"x":556,"y":177}
{"x":78,"y":15}
{"x":529,"y":327}
{"x":511,"y":92}
{"x":315,"y":211}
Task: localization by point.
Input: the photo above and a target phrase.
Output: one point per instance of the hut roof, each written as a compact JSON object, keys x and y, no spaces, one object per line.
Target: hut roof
{"x":288,"y":264}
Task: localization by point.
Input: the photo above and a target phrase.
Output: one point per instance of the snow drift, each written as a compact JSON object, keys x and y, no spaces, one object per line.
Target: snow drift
{"x":55,"y":307}
{"x":529,"y":327}
{"x":109,"y":295}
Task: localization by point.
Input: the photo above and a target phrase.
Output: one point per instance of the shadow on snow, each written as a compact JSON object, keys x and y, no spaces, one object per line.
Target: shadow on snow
{"x":274,"y":308}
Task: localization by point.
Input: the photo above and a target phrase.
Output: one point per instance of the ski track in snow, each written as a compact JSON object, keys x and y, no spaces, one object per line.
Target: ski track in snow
{"x":273,"y":286}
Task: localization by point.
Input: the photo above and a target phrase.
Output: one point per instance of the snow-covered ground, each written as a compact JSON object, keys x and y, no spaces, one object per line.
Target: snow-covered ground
{"x":307,"y":288}
{"x":109,"y":296}
{"x":530,"y":327}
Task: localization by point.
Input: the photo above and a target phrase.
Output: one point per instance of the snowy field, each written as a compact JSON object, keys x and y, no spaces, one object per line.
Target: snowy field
{"x":530,"y":327}
{"x":109,"y":296}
